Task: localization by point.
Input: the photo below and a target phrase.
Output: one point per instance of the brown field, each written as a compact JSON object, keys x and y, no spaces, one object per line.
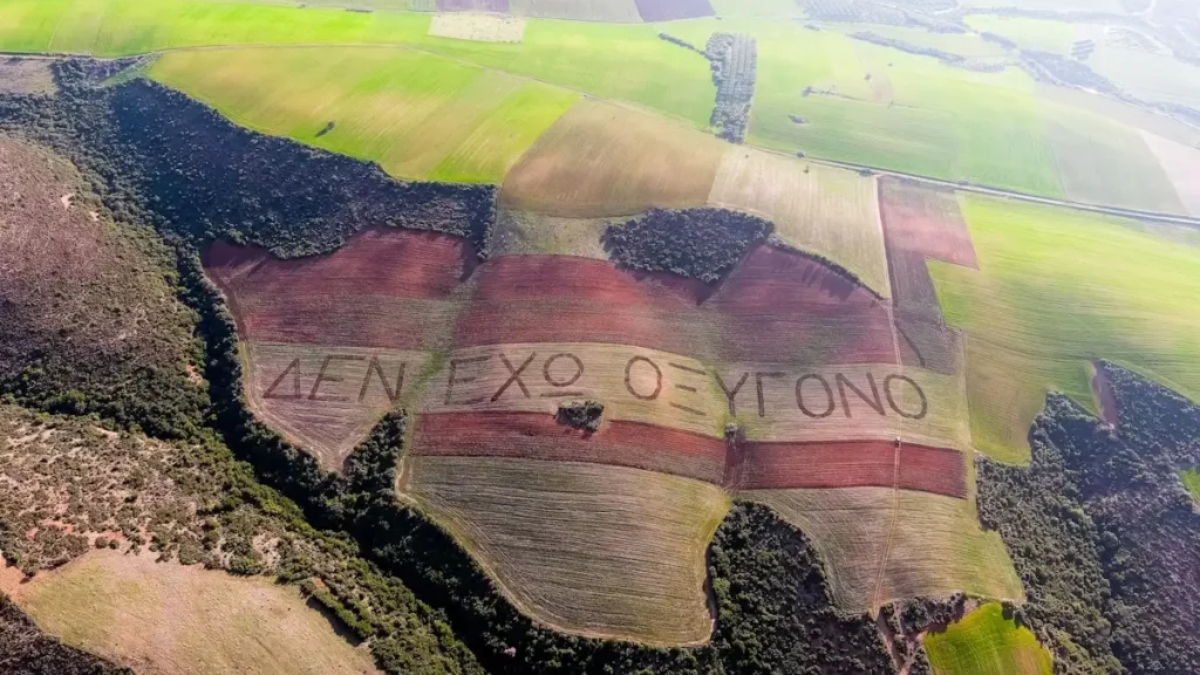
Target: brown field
{"x":921,"y":223}
{"x":168,"y":619}
{"x":1182,"y":164}
{"x":602,"y":159}
{"x":926,"y":220}
{"x":608,"y":11}
{"x":539,"y":436}
{"x":882,"y":545}
{"x":670,"y":10}
{"x":594,"y":550}
{"x":26,"y":76}
{"x":478,"y":27}
{"x":833,"y":213}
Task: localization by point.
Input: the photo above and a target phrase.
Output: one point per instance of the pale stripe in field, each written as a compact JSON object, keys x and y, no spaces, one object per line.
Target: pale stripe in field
{"x":478,"y":26}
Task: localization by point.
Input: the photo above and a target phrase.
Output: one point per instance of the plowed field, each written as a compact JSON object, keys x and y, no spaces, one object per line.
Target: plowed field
{"x":600,"y":550}
{"x":602,"y":159}
{"x":883,"y":545}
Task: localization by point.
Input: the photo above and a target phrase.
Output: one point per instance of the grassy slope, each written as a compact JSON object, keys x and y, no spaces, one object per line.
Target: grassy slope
{"x":186,"y":620}
{"x":1055,"y":289}
{"x":1191,"y":481}
{"x":418,"y":115}
{"x":985,"y":643}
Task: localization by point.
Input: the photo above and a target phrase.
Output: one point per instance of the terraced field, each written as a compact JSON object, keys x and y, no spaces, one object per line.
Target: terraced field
{"x":986,"y":643}
{"x":1054,"y":290}
{"x":445,"y":120}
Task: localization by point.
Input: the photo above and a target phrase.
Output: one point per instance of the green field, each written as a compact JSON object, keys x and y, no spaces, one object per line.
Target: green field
{"x":624,"y":62}
{"x":985,"y":643}
{"x":1191,"y":481}
{"x":418,"y":115}
{"x":1056,"y":289}
{"x":932,"y":119}
{"x":855,"y":102}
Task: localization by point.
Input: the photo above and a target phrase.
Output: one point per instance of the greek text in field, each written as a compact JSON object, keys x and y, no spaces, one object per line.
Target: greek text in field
{"x":490,"y":379}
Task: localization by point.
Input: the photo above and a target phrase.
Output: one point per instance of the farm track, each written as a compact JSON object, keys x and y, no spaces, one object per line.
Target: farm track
{"x":1190,"y":221}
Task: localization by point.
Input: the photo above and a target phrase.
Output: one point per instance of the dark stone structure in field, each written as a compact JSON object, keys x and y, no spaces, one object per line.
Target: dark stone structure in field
{"x":698,"y":244}
{"x":670,"y":10}
{"x":734,"y":60}
{"x":1100,"y":520}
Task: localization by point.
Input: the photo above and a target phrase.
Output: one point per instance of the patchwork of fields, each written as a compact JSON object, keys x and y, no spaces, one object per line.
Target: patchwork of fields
{"x":841,"y":373}
{"x":800,"y":358}
{"x":818,"y":92}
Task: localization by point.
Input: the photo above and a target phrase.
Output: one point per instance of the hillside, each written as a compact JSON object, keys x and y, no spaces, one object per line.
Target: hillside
{"x":535,"y":337}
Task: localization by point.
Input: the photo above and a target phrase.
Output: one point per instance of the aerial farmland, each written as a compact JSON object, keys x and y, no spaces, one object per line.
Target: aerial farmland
{"x":600,"y":336}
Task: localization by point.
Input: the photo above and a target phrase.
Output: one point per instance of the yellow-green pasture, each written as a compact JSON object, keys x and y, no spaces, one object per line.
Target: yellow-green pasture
{"x":986,"y":643}
{"x":1056,"y":289}
{"x":418,"y":115}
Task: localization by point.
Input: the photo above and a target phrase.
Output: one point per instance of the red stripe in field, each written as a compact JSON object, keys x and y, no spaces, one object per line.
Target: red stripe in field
{"x":682,"y":453}
{"x":393,"y":288}
{"x":936,"y":470}
{"x":539,"y":436}
{"x":851,"y":464}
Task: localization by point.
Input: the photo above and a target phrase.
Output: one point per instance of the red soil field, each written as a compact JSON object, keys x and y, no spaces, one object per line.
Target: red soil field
{"x":936,"y":470}
{"x":775,"y":306}
{"x":781,"y":305}
{"x":682,"y":453}
{"x":851,"y":464}
{"x":920,"y":223}
{"x":924,"y":220}
{"x":472,"y":5}
{"x":539,"y":436}
{"x":394,"y":289}
{"x":669,"y":10}
{"x":395,"y":263}
{"x":387,"y":288}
